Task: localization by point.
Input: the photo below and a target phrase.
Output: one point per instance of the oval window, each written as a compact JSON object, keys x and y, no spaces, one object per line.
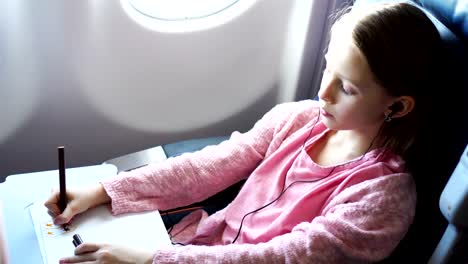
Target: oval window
{"x":184,"y":15}
{"x":173,"y":10}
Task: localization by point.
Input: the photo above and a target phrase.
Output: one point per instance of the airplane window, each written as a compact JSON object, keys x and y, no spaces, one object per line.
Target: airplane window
{"x":180,"y":9}
{"x":184,"y":15}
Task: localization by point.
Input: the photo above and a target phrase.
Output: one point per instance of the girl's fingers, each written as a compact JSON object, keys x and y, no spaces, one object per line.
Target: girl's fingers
{"x":87,"y":258}
{"x":52,"y":202}
{"x":53,"y":213}
{"x":66,"y":215}
{"x":87,"y":248}
{"x":84,"y":253}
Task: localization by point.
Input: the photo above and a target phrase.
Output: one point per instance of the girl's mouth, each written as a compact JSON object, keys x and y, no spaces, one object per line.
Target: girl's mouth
{"x":325,"y":113}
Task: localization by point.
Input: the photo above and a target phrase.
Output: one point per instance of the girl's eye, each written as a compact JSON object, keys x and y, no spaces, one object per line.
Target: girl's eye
{"x":345,"y":90}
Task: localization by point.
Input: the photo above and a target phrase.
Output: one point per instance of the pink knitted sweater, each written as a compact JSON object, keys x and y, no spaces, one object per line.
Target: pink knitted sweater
{"x":352,"y":212}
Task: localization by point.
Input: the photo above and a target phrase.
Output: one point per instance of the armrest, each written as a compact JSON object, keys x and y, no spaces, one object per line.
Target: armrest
{"x":159,"y":153}
{"x":138,"y":159}
{"x":454,"y":207}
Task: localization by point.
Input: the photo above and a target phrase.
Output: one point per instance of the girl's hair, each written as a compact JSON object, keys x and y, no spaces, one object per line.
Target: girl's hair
{"x":402,"y":47}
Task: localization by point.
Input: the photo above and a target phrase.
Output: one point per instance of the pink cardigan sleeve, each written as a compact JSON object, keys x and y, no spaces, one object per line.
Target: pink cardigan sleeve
{"x":192,"y":177}
{"x":364,"y":223}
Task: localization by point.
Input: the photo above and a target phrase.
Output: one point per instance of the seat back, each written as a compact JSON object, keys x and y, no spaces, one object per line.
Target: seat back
{"x":446,"y":136}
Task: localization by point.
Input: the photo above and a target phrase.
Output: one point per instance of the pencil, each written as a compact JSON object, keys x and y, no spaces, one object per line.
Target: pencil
{"x":62,"y":203}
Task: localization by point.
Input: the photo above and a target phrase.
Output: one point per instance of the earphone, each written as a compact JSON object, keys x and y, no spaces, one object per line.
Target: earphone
{"x":284,"y":183}
{"x":395,"y":108}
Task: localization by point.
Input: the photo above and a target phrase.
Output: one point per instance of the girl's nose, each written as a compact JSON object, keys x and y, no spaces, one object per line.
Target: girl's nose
{"x":326,"y":90}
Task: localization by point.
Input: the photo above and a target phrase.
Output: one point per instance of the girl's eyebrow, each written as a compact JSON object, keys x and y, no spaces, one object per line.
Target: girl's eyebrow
{"x":342,"y":77}
{"x":353,"y":82}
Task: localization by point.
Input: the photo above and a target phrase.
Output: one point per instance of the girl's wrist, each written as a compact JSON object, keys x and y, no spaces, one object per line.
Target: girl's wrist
{"x":149,"y":259}
{"x":101,"y":196}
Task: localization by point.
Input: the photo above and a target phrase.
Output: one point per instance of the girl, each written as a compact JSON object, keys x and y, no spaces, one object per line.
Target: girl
{"x":326,"y":181}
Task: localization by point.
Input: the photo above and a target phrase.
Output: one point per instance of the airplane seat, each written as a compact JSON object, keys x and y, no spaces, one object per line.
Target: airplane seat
{"x":445,"y":140}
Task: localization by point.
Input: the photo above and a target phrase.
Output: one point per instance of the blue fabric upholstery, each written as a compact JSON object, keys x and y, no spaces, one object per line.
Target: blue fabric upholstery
{"x":454,"y":206}
{"x":452,"y":13}
{"x":191,"y":145}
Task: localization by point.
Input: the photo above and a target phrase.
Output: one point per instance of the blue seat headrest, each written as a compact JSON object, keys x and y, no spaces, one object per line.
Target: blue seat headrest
{"x":450,"y":16}
{"x":452,"y":13}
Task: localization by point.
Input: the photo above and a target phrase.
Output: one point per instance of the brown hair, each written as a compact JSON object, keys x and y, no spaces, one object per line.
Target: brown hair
{"x":401,"y":46}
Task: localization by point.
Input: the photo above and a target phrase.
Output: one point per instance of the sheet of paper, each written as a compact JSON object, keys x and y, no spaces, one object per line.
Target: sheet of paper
{"x":139,"y":230}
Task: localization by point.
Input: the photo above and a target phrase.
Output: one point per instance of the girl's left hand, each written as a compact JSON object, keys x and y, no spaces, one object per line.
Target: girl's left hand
{"x":104,"y":253}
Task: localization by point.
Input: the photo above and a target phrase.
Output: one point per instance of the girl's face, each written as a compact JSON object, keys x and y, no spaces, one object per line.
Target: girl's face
{"x":350,"y":97}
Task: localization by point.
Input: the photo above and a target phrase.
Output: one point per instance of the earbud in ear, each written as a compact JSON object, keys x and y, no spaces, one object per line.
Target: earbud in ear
{"x":395,"y":108}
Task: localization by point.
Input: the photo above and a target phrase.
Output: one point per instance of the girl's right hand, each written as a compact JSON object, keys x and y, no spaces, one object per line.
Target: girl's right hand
{"x":79,"y":200}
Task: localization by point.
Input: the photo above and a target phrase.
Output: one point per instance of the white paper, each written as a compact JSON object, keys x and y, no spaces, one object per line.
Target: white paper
{"x":137,"y":230}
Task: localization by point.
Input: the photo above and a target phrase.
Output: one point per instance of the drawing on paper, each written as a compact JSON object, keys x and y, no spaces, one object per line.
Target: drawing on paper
{"x":51,"y":230}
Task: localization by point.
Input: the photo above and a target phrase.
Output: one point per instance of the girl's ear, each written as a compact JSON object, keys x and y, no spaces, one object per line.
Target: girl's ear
{"x":401,"y":106}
